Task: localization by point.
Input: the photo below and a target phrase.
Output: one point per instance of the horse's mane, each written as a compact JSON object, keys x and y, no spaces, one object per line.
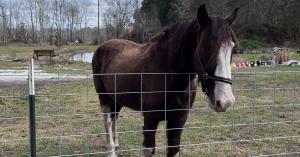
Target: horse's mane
{"x":178,"y":27}
{"x":183,"y":37}
{"x":177,"y":41}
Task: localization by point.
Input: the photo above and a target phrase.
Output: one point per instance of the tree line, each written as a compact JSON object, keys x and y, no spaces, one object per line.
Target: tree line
{"x":38,"y":21}
{"x":270,"y":21}
{"x":62,"y":21}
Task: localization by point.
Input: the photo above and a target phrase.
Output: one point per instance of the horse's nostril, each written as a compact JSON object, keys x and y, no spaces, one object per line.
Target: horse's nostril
{"x":219,"y":107}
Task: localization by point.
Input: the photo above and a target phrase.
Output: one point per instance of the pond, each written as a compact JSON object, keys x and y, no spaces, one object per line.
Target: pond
{"x":83,"y":57}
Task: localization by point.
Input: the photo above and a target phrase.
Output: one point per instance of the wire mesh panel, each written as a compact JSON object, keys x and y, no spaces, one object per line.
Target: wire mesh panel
{"x":264,"y":121}
{"x":14,"y":130}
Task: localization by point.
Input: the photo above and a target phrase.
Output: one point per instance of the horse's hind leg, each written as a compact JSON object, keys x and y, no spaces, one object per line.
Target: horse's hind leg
{"x":108,"y":124}
{"x":114,"y":118}
{"x":110,"y":114}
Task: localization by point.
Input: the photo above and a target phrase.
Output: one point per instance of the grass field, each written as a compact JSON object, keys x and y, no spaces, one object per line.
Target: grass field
{"x":19,"y":49}
{"x":257,"y":57}
{"x":265,"y":120}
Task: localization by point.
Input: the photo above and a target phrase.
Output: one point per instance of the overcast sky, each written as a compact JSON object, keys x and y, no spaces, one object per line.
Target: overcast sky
{"x":92,"y":8}
{"x":93,"y":12}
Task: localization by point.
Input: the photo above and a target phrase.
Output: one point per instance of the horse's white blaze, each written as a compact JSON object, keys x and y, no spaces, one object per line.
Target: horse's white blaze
{"x":223,"y":91}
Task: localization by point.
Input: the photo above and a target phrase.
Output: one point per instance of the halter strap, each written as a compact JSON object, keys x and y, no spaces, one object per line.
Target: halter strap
{"x":206,"y":76}
{"x":220,"y":79}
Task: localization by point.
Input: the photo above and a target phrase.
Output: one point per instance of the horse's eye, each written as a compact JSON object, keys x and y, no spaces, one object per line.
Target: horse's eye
{"x":232,"y":44}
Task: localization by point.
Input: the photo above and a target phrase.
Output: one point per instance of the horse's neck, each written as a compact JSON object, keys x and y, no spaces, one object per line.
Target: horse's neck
{"x":169,"y":58}
{"x":181,"y":55}
{"x":166,"y":58}
{"x":172,"y":51}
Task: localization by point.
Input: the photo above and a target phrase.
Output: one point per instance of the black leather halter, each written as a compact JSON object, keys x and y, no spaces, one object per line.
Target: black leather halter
{"x":206,"y":77}
{"x":217,"y":78}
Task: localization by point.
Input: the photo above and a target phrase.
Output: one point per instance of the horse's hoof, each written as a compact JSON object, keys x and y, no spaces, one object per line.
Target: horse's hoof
{"x":147,"y":152}
{"x":117,"y":147}
{"x":177,"y":155}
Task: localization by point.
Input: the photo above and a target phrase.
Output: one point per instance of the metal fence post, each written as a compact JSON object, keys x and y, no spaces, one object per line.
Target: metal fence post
{"x":32,"y":109}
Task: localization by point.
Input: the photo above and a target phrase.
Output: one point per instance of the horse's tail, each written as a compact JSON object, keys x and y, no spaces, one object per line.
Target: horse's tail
{"x":97,"y":70}
{"x":96,"y":62}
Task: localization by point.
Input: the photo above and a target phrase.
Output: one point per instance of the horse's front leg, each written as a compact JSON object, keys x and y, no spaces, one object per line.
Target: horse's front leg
{"x":149,"y":130}
{"x":108,"y":124}
{"x":175,"y":124}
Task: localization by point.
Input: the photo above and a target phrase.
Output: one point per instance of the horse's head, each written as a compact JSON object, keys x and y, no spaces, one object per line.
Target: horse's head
{"x":215,"y":45}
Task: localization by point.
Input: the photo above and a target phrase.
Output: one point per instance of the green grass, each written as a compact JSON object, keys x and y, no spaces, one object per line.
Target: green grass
{"x":262,"y":103}
{"x":19,"y":49}
{"x":69,"y":67}
{"x":11,"y":65}
{"x":266,"y":69}
{"x":25,"y":51}
{"x":261,"y":56}
{"x":296,"y":56}
{"x":81,"y":47}
{"x":254,"y":57}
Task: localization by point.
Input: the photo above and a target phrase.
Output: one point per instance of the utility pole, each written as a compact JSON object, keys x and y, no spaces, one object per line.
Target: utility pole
{"x":137,"y":22}
{"x":98,"y":37}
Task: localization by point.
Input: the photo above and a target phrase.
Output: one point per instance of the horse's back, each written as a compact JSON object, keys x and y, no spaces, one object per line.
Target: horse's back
{"x":113,"y":55}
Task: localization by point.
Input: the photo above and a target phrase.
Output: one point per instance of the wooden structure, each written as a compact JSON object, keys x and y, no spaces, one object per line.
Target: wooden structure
{"x":44,"y":53}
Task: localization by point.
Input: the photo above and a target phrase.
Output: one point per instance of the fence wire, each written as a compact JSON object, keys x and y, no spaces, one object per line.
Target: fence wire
{"x":265,"y":120}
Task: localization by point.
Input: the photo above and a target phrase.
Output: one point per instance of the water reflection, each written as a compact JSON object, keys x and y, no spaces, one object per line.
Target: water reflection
{"x":83,"y":57}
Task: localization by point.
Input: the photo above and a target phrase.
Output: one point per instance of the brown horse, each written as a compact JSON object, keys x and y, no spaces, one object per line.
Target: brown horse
{"x":159,"y":78}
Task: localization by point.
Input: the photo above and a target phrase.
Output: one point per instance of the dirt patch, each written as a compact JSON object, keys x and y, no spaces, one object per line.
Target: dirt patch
{"x":7,"y":58}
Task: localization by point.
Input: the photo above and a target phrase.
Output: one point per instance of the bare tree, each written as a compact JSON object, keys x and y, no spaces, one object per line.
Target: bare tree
{"x":30,"y":6}
{"x":72,"y":13}
{"x":3,"y":22}
{"x":41,"y":7}
{"x":121,"y":12}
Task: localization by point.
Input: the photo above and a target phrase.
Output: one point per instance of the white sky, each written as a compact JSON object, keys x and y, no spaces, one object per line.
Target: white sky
{"x":93,"y":11}
{"x":92,"y":8}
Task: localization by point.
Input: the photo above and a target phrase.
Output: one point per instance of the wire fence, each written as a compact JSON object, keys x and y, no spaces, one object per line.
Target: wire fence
{"x":265,"y":120}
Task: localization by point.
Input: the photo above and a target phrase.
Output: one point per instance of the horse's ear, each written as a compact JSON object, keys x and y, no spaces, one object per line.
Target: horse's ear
{"x":202,"y":15}
{"x":231,"y":18}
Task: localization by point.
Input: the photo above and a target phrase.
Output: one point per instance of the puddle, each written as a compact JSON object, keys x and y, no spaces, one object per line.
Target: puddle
{"x":85,"y":57}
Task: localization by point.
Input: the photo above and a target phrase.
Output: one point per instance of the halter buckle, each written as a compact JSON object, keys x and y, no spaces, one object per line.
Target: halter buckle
{"x":205,"y":76}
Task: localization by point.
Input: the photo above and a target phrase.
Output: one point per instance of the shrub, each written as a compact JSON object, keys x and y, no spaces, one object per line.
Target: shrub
{"x":252,"y":44}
